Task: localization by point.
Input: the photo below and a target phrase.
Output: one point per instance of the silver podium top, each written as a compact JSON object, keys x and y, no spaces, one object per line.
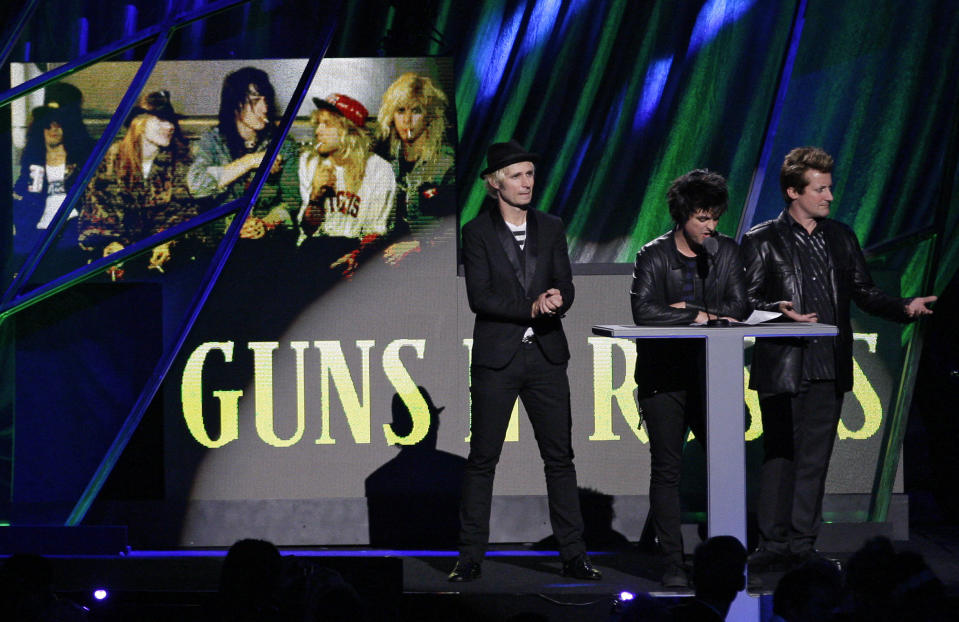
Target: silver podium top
{"x":777,"y":329}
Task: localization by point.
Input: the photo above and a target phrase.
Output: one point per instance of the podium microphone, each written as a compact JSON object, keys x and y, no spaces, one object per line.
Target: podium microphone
{"x":711,"y":246}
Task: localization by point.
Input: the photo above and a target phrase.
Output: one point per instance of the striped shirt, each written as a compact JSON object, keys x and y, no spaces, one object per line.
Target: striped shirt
{"x":819,"y":357}
{"x":519,"y":234}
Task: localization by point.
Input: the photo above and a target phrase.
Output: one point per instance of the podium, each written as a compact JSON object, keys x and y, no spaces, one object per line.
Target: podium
{"x":725,"y":420}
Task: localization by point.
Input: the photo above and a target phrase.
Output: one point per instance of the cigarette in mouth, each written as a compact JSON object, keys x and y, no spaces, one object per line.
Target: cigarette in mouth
{"x":409,"y":134}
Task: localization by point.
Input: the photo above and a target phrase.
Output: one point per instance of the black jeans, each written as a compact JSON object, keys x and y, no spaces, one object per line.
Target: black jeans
{"x":798,"y":435}
{"x":669,"y":415}
{"x":544,"y":389}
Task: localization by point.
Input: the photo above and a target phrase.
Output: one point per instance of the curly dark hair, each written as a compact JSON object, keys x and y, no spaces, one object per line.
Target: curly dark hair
{"x":699,"y":190}
{"x":76,"y":141}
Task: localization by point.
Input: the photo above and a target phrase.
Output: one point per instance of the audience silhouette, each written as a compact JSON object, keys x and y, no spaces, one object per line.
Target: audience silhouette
{"x":719,"y":566}
{"x":258,"y":584}
{"x":809,"y":593}
{"x":26,"y":592}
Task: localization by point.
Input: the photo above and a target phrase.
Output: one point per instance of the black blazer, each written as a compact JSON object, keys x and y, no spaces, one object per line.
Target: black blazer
{"x":502,"y":282}
{"x":774,"y":274}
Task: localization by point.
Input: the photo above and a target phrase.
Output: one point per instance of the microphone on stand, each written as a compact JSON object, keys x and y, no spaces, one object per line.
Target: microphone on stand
{"x":711,"y":246}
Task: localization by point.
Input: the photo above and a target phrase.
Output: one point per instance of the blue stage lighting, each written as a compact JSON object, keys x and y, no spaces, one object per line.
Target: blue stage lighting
{"x":100,"y":593}
{"x":626,"y":596}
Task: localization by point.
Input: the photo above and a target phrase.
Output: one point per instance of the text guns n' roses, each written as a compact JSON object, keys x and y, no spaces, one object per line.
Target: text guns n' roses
{"x":322,"y":376}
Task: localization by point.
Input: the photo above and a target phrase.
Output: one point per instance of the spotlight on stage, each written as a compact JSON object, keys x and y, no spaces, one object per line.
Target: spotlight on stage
{"x":100,"y":594}
{"x":620,"y":602}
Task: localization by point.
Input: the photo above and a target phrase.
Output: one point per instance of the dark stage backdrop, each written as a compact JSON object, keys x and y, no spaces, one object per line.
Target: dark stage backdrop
{"x":312,"y":409}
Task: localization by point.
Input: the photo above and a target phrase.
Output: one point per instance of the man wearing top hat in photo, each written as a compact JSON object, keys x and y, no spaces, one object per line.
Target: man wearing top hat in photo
{"x":140,"y":187}
{"x":55,"y":150}
{"x":347,"y":193}
{"x":519,"y":284}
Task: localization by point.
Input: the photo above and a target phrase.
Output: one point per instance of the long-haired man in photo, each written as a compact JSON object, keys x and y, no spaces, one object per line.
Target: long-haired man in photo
{"x":347,"y":193}
{"x":228,"y":154}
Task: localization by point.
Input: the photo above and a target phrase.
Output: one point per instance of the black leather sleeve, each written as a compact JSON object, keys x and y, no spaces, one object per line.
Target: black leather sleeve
{"x":647,"y":295}
{"x":758,"y":287}
{"x":863,"y":290}
{"x":732,"y":301}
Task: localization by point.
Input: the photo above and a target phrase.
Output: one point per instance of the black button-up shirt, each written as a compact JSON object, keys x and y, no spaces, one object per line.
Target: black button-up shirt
{"x":692,"y":280}
{"x":819,"y":357}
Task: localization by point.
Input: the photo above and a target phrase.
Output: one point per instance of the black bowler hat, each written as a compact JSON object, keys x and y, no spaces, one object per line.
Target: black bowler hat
{"x":44,"y":115}
{"x":156,"y":103}
{"x":501,"y":155}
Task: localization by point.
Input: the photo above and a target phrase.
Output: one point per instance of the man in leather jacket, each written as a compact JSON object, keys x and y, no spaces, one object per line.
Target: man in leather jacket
{"x":809,"y":268}
{"x":676,"y":282}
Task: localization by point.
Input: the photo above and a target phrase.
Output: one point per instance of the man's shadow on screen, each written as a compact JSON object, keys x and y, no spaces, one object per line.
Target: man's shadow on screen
{"x":413,"y":500}
{"x":598,"y":532}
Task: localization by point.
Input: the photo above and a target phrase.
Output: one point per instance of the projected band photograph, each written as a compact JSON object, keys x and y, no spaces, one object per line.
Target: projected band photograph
{"x":368,"y":168}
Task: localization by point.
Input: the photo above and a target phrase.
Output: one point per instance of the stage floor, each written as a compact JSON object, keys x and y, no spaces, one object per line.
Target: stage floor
{"x":412,"y":585}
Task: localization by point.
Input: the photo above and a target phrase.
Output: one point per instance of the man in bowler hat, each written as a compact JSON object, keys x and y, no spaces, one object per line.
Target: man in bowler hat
{"x":519,"y":284}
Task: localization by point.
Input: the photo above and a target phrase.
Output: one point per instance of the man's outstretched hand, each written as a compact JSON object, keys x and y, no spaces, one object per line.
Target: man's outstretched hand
{"x":786,"y":308}
{"x":918,"y":306}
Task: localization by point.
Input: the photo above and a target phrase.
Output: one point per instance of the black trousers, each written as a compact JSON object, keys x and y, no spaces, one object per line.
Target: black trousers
{"x":798,"y":436}
{"x":669,"y":415}
{"x":544,"y":389}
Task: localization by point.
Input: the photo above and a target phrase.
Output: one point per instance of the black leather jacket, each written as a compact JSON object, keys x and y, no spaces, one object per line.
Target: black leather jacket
{"x":774,"y":274}
{"x":671,"y":364}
